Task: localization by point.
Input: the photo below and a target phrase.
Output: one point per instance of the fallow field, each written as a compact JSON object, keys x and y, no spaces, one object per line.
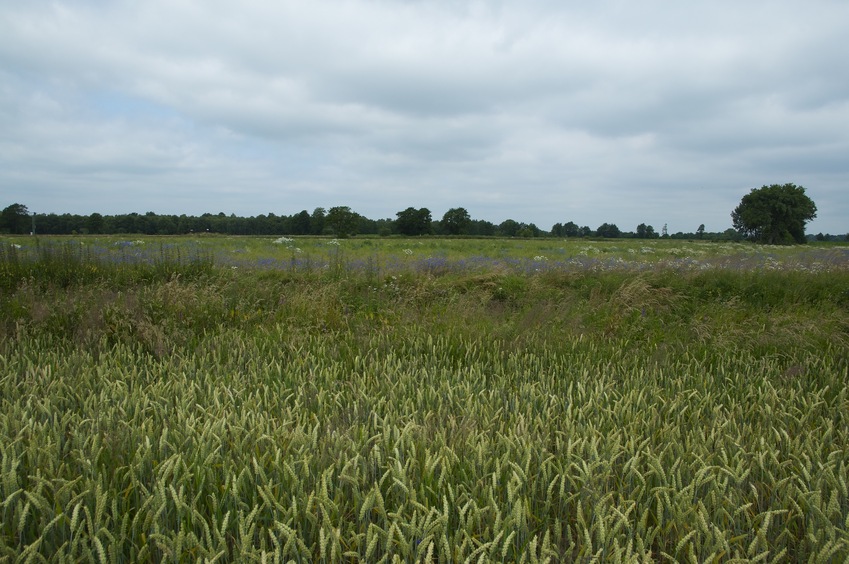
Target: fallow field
{"x":213,"y":399}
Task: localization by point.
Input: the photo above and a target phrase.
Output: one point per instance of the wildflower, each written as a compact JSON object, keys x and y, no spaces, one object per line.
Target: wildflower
{"x":408,"y":251}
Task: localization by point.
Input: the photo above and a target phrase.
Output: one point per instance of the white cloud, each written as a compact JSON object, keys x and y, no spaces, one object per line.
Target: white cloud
{"x":539,"y":111}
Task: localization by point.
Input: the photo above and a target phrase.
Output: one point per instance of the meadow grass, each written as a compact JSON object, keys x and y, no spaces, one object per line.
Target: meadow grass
{"x":241,"y":399}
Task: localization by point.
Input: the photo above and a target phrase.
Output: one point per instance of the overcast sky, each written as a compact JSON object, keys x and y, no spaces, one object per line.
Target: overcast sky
{"x":542,"y":111}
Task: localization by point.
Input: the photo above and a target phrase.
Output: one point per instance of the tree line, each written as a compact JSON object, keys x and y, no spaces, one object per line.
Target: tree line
{"x":773,"y":214}
{"x":340,"y":221}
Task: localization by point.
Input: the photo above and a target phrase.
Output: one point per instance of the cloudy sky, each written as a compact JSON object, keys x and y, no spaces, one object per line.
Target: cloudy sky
{"x":541,"y":111}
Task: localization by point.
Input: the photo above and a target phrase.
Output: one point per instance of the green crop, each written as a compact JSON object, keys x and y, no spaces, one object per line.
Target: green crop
{"x":184,"y":410}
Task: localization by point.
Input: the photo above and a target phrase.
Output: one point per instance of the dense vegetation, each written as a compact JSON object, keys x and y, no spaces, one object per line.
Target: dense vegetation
{"x":337,"y":221}
{"x":234,"y":399}
{"x":775,"y":214}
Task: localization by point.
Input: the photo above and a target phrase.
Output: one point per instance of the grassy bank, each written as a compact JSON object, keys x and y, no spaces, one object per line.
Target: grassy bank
{"x":471,"y":403}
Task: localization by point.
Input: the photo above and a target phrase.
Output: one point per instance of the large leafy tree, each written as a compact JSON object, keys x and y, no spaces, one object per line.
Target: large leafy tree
{"x":413,"y":222}
{"x":571,"y":229}
{"x":342,"y":221}
{"x":509,"y":228}
{"x":608,"y":230}
{"x":456,"y":221}
{"x":775,"y":214}
{"x":15,"y":219}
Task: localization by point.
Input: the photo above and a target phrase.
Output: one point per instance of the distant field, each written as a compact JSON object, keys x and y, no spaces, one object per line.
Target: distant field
{"x":454,"y":255}
{"x":382,"y":399}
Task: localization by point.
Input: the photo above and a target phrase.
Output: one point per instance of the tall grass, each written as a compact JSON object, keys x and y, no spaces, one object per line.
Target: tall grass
{"x":72,"y":263}
{"x":346,"y":414}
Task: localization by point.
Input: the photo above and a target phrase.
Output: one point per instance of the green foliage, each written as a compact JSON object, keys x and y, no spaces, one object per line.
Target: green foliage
{"x":647,"y":232}
{"x":608,"y":230}
{"x":775,"y":214}
{"x":301,"y":223}
{"x":570,"y":229}
{"x":338,"y":415}
{"x":15,"y":219}
{"x":72,"y":264}
{"x":413,"y":222}
{"x":342,"y":221}
{"x":456,"y":221}
{"x":317,"y":221}
{"x":509,"y":228}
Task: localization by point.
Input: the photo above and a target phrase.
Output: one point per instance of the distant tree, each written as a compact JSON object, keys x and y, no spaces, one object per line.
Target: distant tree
{"x":571,"y":229}
{"x":384,"y":227}
{"x":342,"y":221}
{"x":301,"y":223}
{"x":317,"y":221}
{"x":413,"y":222}
{"x":425,"y":220}
{"x":169,"y":225}
{"x":557,"y":230}
{"x":584,"y":231}
{"x":664,"y":232}
{"x":509,"y":228}
{"x":700,"y":232}
{"x":482,"y":227}
{"x":731,"y":234}
{"x":529,"y":230}
{"x":15,"y":219}
{"x":646,"y":232}
{"x":608,"y":230}
{"x":95,"y":223}
{"x":366,"y":226}
{"x":775,"y":214}
{"x":456,"y":221}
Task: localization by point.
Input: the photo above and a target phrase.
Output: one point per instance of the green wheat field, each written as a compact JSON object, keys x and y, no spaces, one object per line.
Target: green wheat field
{"x":226,"y":399}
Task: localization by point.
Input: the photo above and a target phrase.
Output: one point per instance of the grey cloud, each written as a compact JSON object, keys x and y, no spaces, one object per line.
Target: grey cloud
{"x":609,"y":111}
